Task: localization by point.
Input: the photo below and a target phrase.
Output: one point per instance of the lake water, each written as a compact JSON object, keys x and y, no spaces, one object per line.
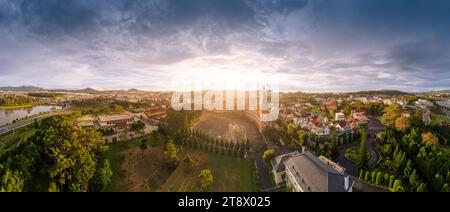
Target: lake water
{"x":7,"y":116}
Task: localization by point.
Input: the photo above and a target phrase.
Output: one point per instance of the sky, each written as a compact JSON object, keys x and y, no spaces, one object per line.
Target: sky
{"x":306,"y":45}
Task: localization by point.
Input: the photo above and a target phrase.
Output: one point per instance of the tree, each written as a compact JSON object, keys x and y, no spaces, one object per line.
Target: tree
{"x":188,"y":162}
{"x":361,"y":174}
{"x":143,"y":145}
{"x":391,"y":181}
{"x":367,"y":176}
{"x":206,"y":178}
{"x":53,"y":187}
{"x":402,"y":124}
{"x":391,"y":113}
{"x":398,"y":186}
{"x":291,"y":130}
{"x":379,"y":179}
{"x":138,"y":127}
{"x":347,"y":109}
{"x":445,"y":188}
{"x":422,"y":188}
{"x":171,"y":153}
{"x":11,"y":181}
{"x":362,"y":163}
{"x":268,"y":155}
{"x":373,"y":177}
{"x":386,"y":179}
{"x":429,"y":138}
{"x":408,"y":169}
{"x":104,"y":175}
{"x":72,"y":152}
{"x":414,"y":179}
{"x":302,"y":136}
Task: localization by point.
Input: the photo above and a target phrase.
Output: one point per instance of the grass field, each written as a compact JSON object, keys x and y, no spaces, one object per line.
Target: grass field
{"x":230,"y":174}
{"x":437,"y":119}
{"x":352,"y":154}
{"x":11,"y":140}
{"x":135,"y":169}
{"x":128,"y":161}
{"x":15,"y":107}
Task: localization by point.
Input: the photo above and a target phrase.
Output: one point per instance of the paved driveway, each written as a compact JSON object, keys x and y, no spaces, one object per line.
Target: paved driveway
{"x":264,"y":175}
{"x":374,"y":127}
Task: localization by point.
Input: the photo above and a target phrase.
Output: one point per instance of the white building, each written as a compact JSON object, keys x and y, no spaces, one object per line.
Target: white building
{"x":115,"y":121}
{"x":304,"y":172}
{"x":339,"y":116}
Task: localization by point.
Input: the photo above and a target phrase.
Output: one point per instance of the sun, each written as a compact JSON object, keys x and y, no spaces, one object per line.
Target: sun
{"x":216,"y":79}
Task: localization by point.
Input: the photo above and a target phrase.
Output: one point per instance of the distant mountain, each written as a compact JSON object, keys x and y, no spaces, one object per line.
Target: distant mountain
{"x":86,"y":90}
{"x":379,"y":92}
{"x":437,"y":92}
{"x":22,"y":88}
{"x":133,"y":90}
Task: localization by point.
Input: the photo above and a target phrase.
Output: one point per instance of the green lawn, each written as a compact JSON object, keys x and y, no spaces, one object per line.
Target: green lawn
{"x":15,"y":107}
{"x":230,"y":174}
{"x":436,"y":119}
{"x":135,"y":169}
{"x":116,"y":156}
{"x":10,"y":141}
{"x":352,"y":154}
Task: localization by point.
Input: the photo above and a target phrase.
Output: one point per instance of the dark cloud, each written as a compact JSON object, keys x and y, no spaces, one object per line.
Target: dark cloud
{"x":402,"y":43}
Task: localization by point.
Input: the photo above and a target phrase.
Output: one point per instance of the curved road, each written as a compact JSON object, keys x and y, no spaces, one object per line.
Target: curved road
{"x":22,"y":123}
{"x":374,"y":127}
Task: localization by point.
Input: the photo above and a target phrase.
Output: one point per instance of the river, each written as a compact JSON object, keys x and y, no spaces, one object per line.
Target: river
{"x":7,"y":116}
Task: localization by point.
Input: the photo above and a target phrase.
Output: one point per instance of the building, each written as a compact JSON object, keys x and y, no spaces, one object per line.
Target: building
{"x":116,"y":122}
{"x":339,"y":117}
{"x":359,"y":116}
{"x":423,"y":103}
{"x":331,"y":106}
{"x":304,"y":172}
{"x":156,"y":112}
{"x":320,"y":130}
{"x":341,"y":127}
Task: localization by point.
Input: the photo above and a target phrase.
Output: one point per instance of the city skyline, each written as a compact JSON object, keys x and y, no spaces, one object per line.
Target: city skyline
{"x":311,"y":46}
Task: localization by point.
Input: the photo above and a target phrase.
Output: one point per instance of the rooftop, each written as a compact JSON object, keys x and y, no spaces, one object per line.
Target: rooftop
{"x":114,"y":118}
{"x":313,"y":174}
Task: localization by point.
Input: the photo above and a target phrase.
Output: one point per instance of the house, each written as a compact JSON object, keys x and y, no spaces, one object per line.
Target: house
{"x":359,"y":116}
{"x":304,"y":172}
{"x":116,"y":122}
{"x":341,"y":127}
{"x":156,"y":112}
{"x":330,"y":106}
{"x":339,"y":117}
{"x":320,"y":130}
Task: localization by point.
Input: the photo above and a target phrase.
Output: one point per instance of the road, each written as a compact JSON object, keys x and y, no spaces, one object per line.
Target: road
{"x":265,"y":178}
{"x":23,"y":123}
{"x":374,"y":127}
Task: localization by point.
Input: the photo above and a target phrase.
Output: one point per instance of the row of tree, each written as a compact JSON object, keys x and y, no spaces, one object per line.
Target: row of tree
{"x":16,"y":100}
{"x":200,"y":140}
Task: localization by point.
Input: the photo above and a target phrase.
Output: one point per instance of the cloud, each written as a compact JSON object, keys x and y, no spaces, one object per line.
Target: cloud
{"x":312,"y":45}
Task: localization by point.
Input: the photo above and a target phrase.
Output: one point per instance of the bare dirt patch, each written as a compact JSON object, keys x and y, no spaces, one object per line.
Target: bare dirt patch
{"x":144,"y":170}
{"x":229,"y":126}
